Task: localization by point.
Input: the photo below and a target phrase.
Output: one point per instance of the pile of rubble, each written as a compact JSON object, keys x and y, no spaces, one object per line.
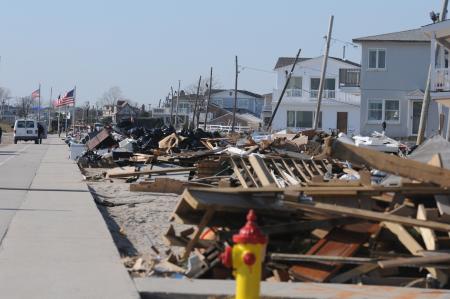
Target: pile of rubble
{"x":334,"y":210}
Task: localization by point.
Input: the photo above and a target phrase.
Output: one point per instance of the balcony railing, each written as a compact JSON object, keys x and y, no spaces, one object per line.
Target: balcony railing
{"x":349,"y":77}
{"x":267,"y":108}
{"x":294,"y":93}
{"x":441,"y":79}
{"x":327,"y":94}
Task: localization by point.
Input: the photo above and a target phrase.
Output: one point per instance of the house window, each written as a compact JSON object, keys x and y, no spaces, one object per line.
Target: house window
{"x":375,"y":112}
{"x":302,"y":119}
{"x":383,"y":110}
{"x":291,"y":119}
{"x":329,"y":88}
{"x":377,"y":58}
{"x":218,"y":102}
{"x":243,"y":103}
{"x":392,"y":110}
{"x":294,"y":88}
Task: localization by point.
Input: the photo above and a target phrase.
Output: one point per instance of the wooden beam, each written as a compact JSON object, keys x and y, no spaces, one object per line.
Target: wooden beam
{"x":122,"y":174}
{"x":261,"y":171}
{"x":389,"y":163}
{"x":355,"y":272}
{"x":428,"y":235}
{"x":414,"y":261}
{"x":366,"y":214}
{"x":285,"y":257}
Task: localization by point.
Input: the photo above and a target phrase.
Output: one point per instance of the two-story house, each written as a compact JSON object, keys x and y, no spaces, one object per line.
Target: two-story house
{"x":341,"y":98}
{"x":394,"y":71}
{"x":122,"y":110}
{"x":247,"y":101}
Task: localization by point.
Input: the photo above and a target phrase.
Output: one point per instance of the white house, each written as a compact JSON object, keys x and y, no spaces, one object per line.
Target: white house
{"x":340,"y":108}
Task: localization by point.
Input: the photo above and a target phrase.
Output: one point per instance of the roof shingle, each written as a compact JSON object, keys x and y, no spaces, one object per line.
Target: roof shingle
{"x":413,"y":35}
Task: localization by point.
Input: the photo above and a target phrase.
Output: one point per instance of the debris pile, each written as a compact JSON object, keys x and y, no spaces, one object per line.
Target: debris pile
{"x":334,"y":209}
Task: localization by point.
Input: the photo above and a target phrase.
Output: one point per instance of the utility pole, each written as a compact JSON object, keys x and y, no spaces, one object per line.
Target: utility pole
{"x":322,"y":76}
{"x":427,"y":95}
{"x":171,"y":106}
{"x":196,"y":101}
{"x":178,"y":101}
{"x":288,"y":78}
{"x":424,"y":112}
{"x":235,"y":95}
{"x":209,"y":98}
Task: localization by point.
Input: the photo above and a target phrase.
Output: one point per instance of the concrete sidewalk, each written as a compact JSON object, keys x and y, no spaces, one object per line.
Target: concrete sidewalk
{"x":57,"y":244}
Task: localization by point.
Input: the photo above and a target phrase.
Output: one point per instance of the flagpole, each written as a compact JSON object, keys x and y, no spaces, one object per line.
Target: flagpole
{"x":50,"y":106}
{"x":59,"y":116}
{"x":74,"y":95}
{"x":39,"y":104}
{"x":65,"y":127}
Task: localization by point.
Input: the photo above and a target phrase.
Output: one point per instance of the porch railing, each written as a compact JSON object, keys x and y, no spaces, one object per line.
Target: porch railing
{"x":349,"y":77}
{"x":441,"y":80}
{"x":327,"y":94}
{"x":294,"y":93}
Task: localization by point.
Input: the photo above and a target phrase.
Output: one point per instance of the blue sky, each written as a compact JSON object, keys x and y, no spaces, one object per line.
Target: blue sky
{"x":144,"y":47}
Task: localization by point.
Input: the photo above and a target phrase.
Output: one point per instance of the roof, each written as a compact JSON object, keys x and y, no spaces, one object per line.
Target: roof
{"x":285,"y":61}
{"x":412,"y":35}
{"x":249,"y":93}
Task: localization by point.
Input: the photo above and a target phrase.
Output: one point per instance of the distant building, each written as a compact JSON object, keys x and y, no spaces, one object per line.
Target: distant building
{"x":340,"y":107}
{"x":247,"y":101}
{"x":122,"y":110}
{"x":394,"y":71}
{"x":266,"y":112}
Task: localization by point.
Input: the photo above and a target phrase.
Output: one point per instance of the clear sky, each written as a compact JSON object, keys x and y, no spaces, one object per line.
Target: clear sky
{"x":144,"y":47}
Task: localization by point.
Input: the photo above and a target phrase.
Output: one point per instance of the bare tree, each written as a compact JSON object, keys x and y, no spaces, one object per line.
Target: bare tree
{"x":204,"y":86}
{"x":24,"y":106}
{"x":111,"y":96}
{"x":4,"y":93}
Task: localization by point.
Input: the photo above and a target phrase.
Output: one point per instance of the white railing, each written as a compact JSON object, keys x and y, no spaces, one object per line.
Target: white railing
{"x":267,"y":108}
{"x":327,"y":94}
{"x":441,"y":80}
{"x":220,"y":128}
{"x":293,"y":92}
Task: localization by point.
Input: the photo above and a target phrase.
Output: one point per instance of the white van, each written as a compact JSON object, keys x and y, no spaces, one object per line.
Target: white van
{"x":26,"y":129}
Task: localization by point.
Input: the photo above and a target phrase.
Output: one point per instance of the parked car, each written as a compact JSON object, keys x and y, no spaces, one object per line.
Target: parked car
{"x":26,"y":129}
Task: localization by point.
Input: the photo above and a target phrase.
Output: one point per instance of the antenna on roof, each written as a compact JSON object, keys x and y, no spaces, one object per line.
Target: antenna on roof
{"x":434,"y":16}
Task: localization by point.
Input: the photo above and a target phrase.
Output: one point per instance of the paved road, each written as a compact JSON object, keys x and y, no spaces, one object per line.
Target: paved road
{"x":18,"y":166}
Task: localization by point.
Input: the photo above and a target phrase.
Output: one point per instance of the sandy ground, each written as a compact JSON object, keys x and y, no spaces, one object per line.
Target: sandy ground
{"x":139,"y":220}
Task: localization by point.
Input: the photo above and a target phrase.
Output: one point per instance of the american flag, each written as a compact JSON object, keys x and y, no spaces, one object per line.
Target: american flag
{"x":67,"y":99}
{"x":36,"y":94}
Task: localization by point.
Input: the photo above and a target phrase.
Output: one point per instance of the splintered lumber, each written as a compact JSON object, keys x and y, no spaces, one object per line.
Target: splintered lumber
{"x":342,"y":242}
{"x":118,"y":173}
{"x":369,"y":215}
{"x":261,"y":171}
{"x":416,"y":261}
{"x":428,"y":235}
{"x":389,"y":163}
{"x":280,"y":257}
{"x":411,"y":244}
{"x":198,"y":230}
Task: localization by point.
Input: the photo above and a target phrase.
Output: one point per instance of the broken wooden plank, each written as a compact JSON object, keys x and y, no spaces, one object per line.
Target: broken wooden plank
{"x":392,"y":164}
{"x":343,"y":242}
{"x":286,"y":257}
{"x":411,"y":244}
{"x":114,"y":173}
{"x":366,"y":214}
{"x":261,"y":171}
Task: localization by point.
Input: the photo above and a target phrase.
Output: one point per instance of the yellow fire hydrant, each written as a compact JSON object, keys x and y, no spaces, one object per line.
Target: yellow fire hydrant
{"x":246,"y":257}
